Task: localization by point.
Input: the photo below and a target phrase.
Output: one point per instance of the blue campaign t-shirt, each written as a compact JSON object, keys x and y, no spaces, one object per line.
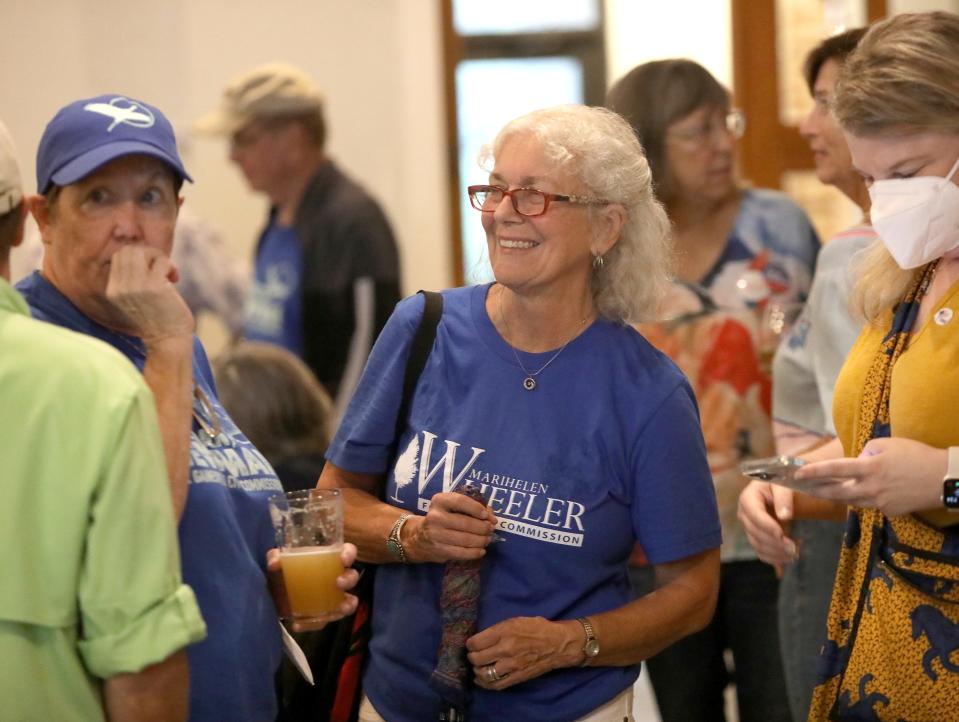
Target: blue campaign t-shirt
{"x":605,"y":451}
{"x":225,"y":532}
{"x":274,"y":308}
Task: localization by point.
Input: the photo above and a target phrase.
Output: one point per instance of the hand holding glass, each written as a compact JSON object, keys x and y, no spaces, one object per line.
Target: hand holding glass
{"x":309,"y":534}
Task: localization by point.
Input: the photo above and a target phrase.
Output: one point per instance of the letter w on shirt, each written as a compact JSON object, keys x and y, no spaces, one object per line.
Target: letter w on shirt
{"x":447,"y":462}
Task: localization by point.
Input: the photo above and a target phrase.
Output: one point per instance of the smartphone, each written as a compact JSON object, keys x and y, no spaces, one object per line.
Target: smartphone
{"x":777,"y":469}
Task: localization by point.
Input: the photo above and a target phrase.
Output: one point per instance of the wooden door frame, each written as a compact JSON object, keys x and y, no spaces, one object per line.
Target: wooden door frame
{"x":769,"y":148}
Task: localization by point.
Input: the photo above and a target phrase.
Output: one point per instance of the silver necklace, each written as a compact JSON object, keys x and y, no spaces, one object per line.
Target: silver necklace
{"x":529,"y":383}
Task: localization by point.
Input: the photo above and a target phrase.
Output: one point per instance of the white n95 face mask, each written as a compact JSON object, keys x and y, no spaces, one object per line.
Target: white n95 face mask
{"x":916,"y":218}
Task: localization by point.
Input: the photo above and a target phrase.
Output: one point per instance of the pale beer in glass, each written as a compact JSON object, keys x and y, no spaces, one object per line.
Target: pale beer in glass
{"x":309,"y":531}
{"x":309,"y":574}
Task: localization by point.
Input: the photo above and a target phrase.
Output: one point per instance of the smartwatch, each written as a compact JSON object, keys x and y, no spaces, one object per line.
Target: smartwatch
{"x":950,"y":483}
{"x":591,"y":647}
{"x":393,"y":544}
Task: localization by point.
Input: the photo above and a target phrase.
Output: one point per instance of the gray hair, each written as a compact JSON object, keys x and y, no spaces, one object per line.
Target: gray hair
{"x":600,"y":148}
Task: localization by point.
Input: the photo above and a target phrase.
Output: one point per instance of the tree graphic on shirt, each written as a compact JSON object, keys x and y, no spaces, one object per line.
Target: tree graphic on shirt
{"x":406,"y":466}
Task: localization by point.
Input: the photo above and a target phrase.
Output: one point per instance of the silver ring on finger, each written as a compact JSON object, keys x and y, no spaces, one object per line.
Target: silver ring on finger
{"x":491,"y":674}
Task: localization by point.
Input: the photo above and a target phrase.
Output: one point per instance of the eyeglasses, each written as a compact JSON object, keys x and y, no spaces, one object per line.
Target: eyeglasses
{"x":528,"y":202}
{"x":733,"y":124}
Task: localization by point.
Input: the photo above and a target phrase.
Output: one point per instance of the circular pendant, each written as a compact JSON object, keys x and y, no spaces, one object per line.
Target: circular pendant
{"x":529,"y":383}
{"x":943,"y":316}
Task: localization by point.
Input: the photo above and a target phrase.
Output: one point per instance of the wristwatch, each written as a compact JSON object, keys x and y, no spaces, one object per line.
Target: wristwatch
{"x":393,"y":544}
{"x":950,"y":482}
{"x":591,"y":647}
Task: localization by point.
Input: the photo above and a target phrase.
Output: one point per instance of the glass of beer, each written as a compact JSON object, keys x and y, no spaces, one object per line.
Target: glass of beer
{"x":309,"y":535}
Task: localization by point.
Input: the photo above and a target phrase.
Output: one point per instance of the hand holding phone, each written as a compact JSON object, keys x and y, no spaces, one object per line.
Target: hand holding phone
{"x":776,"y":469}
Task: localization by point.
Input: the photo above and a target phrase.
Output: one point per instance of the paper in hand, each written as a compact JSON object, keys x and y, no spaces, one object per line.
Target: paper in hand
{"x":296,"y":655}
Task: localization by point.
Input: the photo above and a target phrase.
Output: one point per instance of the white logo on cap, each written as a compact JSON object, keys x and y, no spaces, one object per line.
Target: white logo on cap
{"x":132,"y":114}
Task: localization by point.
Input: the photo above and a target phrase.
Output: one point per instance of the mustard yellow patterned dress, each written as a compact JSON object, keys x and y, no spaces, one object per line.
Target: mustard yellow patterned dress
{"x":893,"y":633}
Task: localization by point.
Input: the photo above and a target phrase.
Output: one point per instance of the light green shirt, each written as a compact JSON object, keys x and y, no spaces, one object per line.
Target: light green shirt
{"x":90,"y":574}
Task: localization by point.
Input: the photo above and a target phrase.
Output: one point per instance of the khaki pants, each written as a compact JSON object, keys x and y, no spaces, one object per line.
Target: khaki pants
{"x":618,"y":709}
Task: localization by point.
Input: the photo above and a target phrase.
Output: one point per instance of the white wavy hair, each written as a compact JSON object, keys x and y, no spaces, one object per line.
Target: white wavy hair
{"x":599,"y":147}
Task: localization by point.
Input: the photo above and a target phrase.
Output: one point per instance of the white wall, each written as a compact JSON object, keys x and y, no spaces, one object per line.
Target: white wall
{"x":642,"y":30}
{"x":378,"y":61}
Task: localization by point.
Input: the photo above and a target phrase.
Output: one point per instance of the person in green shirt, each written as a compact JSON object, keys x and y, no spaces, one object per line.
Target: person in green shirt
{"x":94,"y":616}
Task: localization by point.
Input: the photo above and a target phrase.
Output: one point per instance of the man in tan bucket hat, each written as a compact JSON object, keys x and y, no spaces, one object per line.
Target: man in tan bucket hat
{"x":326,"y":273}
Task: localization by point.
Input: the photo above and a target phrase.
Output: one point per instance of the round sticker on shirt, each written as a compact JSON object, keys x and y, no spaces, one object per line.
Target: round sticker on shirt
{"x":943,"y":316}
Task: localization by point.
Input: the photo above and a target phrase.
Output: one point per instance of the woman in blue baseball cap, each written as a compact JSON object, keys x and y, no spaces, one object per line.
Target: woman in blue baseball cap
{"x":109,"y":176}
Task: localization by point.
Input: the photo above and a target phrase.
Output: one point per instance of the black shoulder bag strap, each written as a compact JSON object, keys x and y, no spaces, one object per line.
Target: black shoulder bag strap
{"x":419,"y":353}
{"x":354,"y":643}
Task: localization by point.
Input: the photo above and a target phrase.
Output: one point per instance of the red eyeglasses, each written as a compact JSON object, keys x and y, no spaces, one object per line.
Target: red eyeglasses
{"x":526,"y":201}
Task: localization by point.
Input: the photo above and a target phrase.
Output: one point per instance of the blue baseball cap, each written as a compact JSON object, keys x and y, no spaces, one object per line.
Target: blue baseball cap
{"x":88,"y":134}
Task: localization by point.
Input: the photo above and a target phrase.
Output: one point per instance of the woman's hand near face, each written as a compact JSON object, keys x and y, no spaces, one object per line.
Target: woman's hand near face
{"x":141,"y":288}
{"x":455,"y":528}
{"x":522,"y":648}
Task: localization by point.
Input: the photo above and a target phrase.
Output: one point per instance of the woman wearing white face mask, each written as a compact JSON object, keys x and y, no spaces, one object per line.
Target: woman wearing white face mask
{"x":894,"y":616}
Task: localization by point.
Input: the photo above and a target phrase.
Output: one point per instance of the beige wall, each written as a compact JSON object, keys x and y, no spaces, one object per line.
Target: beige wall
{"x":379,"y":62}
{"x":921,"y":6}
{"x":641,"y":30}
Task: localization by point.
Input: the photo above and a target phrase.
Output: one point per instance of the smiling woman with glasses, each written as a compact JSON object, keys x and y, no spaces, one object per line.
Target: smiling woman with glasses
{"x":581,"y":436}
{"x":744,"y":251}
